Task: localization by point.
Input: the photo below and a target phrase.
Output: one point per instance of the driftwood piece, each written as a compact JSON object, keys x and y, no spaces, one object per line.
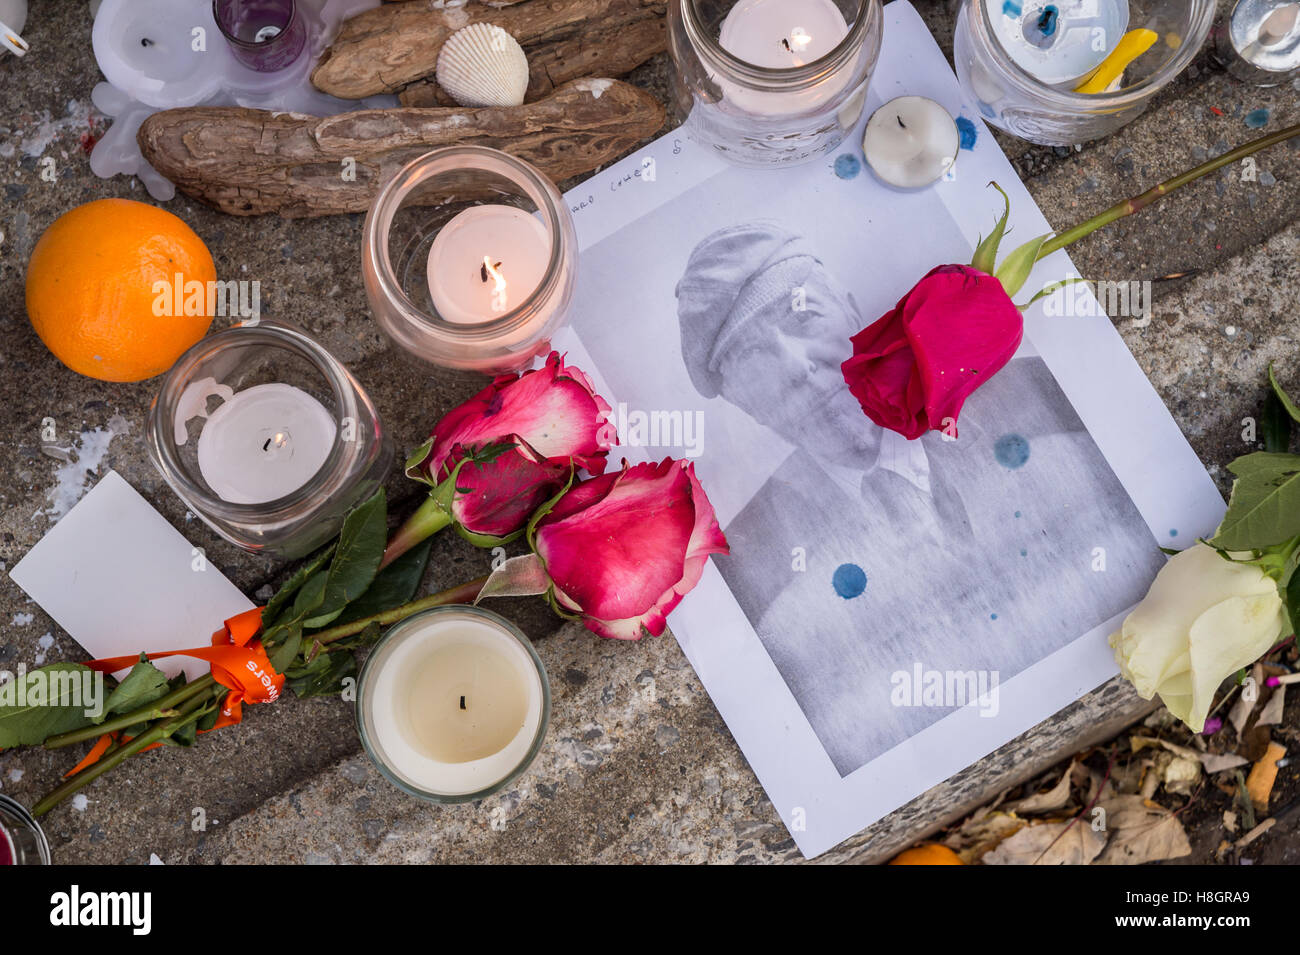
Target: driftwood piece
{"x":593,"y":53}
{"x":249,"y":162}
{"x":386,"y":48}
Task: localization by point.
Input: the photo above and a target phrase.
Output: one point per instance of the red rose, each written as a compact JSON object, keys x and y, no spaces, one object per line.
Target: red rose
{"x":913,"y":368}
{"x":619,"y":551}
{"x":515,"y":443}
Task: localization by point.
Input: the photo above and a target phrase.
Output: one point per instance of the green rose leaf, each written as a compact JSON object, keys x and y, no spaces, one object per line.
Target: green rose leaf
{"x":276,"y":605}
{"x":144,"y":684}
{"x":324,"y":676}
{"x":1275,"y":425}
{"x":1265,"y":504}
{"x":283,"y":654}
{"x":1291,"y":408}
{"x":414,"y":460}
{"x":356,"y":561}
{"x":45,"y":702}
{"x":393,"y":586}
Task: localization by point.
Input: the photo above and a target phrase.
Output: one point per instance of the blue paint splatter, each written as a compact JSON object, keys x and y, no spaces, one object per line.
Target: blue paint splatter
{"x":1011,"y":450}
{"x":1257,"y":118}
{"x":966,"y":128}
{"x":1023,"y":552}
{"x":849,"y":580}
{"x":1173,"y":532}
{"x":847,"y":166}
{"x":1011,"y":8}
{"x":993,"y":616}
{"x":1017,"y":513}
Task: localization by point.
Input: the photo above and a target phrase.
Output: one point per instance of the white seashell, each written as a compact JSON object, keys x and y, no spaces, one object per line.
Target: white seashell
{"x":483,"y":65}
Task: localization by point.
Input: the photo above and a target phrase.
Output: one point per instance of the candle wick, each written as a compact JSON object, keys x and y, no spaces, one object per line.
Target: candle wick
{"x":462,"y":702}
{"x":901,"y":124}
{"x":145,"y":41}
{"x":483,"y":270}
{"x":785,"y":43}
{"x":267,"y":445}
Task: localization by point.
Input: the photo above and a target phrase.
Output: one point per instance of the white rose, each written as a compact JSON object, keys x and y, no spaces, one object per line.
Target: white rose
{"x":1204,"y":618}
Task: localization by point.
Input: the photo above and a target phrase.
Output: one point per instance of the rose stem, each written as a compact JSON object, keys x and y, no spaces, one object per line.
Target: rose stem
{"x":159,"y":708}
{"x":159,"y":731}
{"x":461,"y":593}
{"x":427,"y":520}
{"x":1129,"y":206}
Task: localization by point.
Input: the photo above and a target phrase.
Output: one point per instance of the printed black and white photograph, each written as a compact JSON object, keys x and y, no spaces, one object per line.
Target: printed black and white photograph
{"x":859,"y":557}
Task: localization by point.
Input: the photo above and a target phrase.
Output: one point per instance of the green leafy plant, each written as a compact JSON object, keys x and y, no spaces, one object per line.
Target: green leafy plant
{"x":332,"y":605}
{"x":1262,"y":524}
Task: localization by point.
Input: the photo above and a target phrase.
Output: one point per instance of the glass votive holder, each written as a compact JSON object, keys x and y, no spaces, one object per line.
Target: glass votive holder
{"x":267,"y":438}
{"x":1031,"y":66}
{"x":453,"y":704}
{"x":469,"y":259}
{"x":767,"y":82}
{"x":21,"y":840}
{"x":264,"y":35}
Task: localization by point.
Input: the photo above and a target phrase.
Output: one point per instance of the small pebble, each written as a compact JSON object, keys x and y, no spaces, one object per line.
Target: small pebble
{"x":1257,"y":118}
{"x":1266,"y":178}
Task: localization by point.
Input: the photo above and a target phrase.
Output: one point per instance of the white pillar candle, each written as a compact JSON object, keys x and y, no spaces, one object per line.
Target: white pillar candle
{"x":911,"y":142}
{"x":145,"y":48}
{"x":1058,"y":41}
{"x":486,"y":261}
{"x":454,"y":705}
{"x":782,"y":35}
{"x":264,"y":442}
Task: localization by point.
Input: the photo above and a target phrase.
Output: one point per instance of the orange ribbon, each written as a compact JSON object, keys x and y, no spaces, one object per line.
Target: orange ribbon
{"x":238,"y":662}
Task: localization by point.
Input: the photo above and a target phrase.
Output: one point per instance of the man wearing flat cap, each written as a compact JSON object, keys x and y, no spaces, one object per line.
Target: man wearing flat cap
{"x":865,"y":553}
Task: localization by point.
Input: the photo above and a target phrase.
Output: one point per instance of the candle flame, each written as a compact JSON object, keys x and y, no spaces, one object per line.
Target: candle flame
{"x":498,"y":284}
{"x":799,"y":39}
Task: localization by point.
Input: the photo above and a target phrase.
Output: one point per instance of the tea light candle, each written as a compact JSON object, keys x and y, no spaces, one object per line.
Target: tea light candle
{"x":485,"y":262}
{"x":911,"y":142}
{"x":782,"y":35}
{"x":1061,"y":41}
{"x":262,"y":443}
{"x":452,"y":702}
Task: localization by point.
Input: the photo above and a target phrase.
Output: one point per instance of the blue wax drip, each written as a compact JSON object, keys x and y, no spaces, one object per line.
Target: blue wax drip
{"x":1048,"y":20}
{"x":849,"y":581}
{"x":1011,"y":451}
{"x":966,"y":129}
{"x":847,"y":166}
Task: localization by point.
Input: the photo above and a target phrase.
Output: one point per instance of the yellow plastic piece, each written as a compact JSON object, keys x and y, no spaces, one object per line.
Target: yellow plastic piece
{"x":1133,"y":45}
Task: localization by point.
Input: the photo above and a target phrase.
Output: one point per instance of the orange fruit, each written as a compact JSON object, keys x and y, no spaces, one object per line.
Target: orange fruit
{"x":930,"y":853}
{"x":92,"y":295}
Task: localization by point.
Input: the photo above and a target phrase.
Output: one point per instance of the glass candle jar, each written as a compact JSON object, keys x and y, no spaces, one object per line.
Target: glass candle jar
{"x":453,"y":704}
{"x":21,"y":840}
{"x":469,"y":259}
{"x":268,"y":438}
{"x":1025,"y":63}
{"x":264,"y":35}
{"x":766,"y":82}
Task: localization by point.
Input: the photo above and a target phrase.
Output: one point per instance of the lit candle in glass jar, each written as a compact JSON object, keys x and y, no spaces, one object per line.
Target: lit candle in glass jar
{"x":485,"y":262}
{"x":453,"y":703}
{"x":260,"y":444}
{"x":782,"y":35}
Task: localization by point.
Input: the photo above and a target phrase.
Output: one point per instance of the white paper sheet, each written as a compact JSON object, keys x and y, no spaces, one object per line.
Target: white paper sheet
{"x":1109,"y":475}
{"x":121,"y":580}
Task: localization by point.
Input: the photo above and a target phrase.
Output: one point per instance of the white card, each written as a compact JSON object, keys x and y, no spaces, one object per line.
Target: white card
{"x":120,"y":580}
